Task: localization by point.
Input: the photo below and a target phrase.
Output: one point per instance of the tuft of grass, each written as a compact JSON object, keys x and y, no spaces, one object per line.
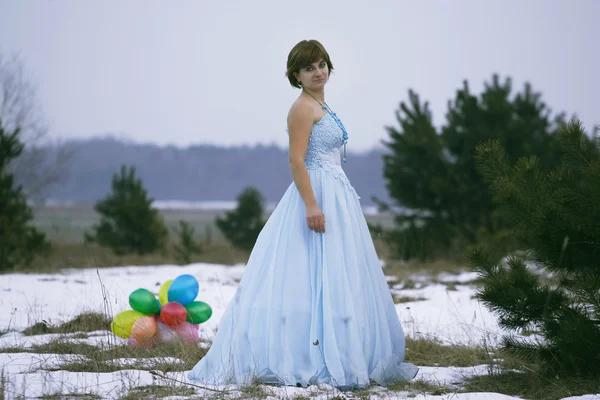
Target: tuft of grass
{"x":2,"y":384}
{"x":419,"y":387}
{"x":531,"y":385}
{"x":254,"y":391}
{"x":157,"y":392}
{"x":13,"y":350}
{"x":409,"y":284}
{"x":61,"y":396}
{"x":425,"y":352}
{"x":406,"y":299}
{"x":87,"y":322}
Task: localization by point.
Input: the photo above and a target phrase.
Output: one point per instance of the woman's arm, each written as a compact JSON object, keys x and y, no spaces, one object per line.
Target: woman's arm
{"x":300,"y":122}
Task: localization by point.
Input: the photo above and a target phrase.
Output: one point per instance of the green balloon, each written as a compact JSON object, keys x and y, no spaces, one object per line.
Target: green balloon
{"x":198,"y":312}
{"x":143,"y":300}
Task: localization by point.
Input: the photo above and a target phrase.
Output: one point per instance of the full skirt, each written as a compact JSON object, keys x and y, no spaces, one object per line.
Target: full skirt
{"x":311,"y":307}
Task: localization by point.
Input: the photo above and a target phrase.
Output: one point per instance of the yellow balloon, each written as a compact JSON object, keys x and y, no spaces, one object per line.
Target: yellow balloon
{"x":163,"y":292}
{"x":123,"y":321}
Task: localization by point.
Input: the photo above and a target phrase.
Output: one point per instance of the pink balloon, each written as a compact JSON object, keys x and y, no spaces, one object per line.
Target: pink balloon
{"x":188,"y":333}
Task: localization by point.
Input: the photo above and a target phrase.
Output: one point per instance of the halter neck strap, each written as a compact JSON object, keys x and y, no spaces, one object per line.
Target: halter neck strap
{"x":336,"y":119}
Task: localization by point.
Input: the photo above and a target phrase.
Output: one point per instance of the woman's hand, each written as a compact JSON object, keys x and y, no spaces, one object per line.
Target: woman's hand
{"x":315,"y":219}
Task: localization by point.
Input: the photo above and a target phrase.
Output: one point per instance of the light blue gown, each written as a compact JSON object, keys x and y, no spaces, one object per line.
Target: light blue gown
{"x":311,"y":307}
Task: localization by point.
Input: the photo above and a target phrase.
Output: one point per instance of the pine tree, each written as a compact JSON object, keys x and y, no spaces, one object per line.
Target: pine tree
{"x":418,"y":174}
{"x":128,"y":223}
{"x":19,"y":242}
{"x":434,"y":172}
{"x":187,"y":246}
{"x":243,"y":225}
{"x":556,"y":217}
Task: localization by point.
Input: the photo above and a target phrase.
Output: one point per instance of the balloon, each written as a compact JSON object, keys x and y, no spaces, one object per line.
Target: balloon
{"x":173,"y":314}
{"x":144,"y":328}
{"x":143,"y":300}
{"x":141,"y":343}
{"x":163,"y":292}
{"x":198,"y":312}
{"x":188,"y":333}
{"x":183,"y":289}
{"x":123,"y":322}
{"x":165,"y":333}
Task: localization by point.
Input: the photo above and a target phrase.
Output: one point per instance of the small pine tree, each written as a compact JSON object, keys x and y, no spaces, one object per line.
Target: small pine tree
{"x":187,"y":245}
{"x":128,"y":223}
{"x":243,"y":225}
{"x":19,"y":242}
{"x":556,"y":216}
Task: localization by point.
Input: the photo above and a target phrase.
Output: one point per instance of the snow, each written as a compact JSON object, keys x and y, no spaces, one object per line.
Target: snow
{"x":449,"y":376}
{"x":450,"y":316}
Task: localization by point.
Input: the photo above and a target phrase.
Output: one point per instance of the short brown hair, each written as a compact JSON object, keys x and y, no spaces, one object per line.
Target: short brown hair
{"x":304,"y":54}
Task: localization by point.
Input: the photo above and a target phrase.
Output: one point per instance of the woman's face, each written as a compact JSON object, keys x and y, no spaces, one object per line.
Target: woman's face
{"x":314,"y":76}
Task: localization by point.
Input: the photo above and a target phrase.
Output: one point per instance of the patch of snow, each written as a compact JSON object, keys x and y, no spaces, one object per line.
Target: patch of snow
{"x":98,"y":338}
{"x":22,"y":363}
{"x":449,"y":316}
{"x":463,"y":277}
{"x":450,"y":376}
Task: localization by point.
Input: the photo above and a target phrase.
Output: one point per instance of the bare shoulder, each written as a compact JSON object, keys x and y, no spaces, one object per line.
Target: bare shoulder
{"x":301,"y":112}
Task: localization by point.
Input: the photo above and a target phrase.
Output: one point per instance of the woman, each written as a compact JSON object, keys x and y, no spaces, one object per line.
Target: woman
{"x":313,"y":305}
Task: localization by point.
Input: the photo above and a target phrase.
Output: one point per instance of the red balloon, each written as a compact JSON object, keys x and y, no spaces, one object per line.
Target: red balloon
{"x":173,"y":314}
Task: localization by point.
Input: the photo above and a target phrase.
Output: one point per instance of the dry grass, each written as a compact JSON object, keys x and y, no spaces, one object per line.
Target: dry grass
{"x":2,"y":384}
{"x":65,"y":227}
{"x":254,"y":391}
{"x":63,"y":396}
{"x":406,"y":271}
{"x":529,"y":384}
{"x":64,"y":255}
{"x":406,"y":299}
{"x":417,"y":387}
{"x":157,"y":392}
{"x":424,"y":352}
{"x":87,"y":322}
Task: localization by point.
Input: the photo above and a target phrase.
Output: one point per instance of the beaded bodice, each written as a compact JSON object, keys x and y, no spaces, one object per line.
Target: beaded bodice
{"x":324,"y":148}
{"x":325,"y":140}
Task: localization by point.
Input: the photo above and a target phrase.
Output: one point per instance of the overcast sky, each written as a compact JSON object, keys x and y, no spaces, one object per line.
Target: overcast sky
{"x":190,"y":72}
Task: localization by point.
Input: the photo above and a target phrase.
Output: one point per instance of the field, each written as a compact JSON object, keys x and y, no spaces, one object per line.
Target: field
{"x":68,"y":224}
{"x":55,"y":340}
{"x":65,"y":228}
